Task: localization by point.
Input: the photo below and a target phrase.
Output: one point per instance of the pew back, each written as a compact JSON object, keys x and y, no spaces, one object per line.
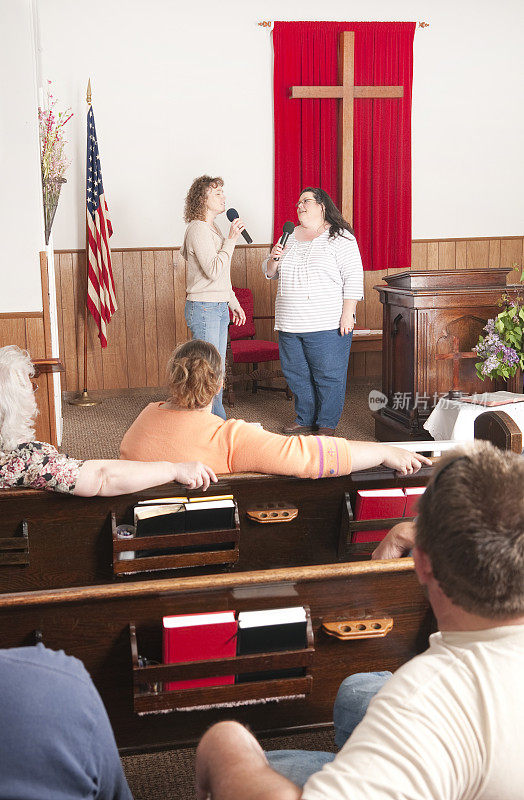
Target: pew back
{"x":69,"y":539}
{"x":93,"y":624}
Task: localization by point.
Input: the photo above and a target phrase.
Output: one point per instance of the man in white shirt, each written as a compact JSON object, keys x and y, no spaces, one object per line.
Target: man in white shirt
{"x":448,"y":724}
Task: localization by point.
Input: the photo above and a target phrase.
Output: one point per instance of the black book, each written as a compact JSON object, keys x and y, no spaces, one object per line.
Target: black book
{"x":157,"y":520}
{"x":270,"y":631}
{"x":211,"y":514}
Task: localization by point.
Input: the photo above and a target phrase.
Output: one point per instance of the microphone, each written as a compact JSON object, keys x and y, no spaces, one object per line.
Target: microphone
{"x":232,"y":214}
{"x":287,"y":231}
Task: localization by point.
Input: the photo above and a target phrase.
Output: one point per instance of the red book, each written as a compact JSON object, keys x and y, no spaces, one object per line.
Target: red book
{"x":199,"y":637}
{"x":412,"y":495}
{"x":377,"y":504}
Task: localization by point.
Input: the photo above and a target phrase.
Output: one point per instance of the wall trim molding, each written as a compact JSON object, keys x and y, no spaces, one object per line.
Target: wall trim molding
{"x":21,"y":314}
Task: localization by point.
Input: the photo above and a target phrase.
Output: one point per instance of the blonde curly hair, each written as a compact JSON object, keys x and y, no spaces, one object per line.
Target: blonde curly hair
{"x":195,"y":205}
{"x":194,"y":374}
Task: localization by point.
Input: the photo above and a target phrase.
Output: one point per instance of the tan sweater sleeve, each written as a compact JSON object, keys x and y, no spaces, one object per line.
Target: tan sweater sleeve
{"x":234,"y":305}
{"x":212,"y":264}
{"x":252,"y":449}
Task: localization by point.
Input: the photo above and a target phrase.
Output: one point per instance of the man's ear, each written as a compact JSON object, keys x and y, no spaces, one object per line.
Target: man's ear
{"x":423,"y":566}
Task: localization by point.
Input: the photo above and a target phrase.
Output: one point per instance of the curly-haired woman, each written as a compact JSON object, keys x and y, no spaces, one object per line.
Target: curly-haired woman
{"x":320,"y":282}
{"x":208,"y":255}
{"x":184,"y":427}
{"x":39,"y":465}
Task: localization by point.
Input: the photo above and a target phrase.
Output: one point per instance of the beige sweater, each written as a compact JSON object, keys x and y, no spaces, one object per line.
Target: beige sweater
{"x":208,"y":257}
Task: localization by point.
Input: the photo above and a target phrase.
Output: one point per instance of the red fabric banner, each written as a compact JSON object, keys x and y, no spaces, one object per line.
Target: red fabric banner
{"x":306,"y":134}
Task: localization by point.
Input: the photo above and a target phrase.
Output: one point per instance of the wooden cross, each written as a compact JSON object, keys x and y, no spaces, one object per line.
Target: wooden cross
{"x":346,"y":91}
{"x":457,"y":357}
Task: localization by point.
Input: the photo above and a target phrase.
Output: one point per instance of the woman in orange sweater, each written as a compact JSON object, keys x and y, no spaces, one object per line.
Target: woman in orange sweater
{"x":184,"y":428}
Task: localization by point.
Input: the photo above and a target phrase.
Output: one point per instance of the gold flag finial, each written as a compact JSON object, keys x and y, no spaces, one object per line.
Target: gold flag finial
{"x":88,"y":97}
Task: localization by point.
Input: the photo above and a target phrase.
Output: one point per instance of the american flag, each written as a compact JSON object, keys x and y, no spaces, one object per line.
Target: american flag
{"x":101,"y":300}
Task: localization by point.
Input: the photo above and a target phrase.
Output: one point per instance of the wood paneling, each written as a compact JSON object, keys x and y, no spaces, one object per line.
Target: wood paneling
{"x":446,"y":255}
{"x":477,"y":253}
{"x":433,"y":260}
{"x":165,"y":310}
{"x":461,"y":255}
{"x":114,"y":356}
{"x":150,"y":287}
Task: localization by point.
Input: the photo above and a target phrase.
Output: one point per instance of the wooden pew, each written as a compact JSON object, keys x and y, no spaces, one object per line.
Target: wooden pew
{"x":49,"y":540}
{"x":108,"y":626}
{"x":69,"y":539}
{"x":92,"y":623}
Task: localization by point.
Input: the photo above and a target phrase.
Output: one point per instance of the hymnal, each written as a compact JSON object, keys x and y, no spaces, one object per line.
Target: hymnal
{"x":377,"y":504}
{"x":199,"y":637}
{"x":160,"y":519}
{"x":270,"y":631}
{"x":210,"y":514}
{"x":162,"y":501}
{"x":412,"y":495}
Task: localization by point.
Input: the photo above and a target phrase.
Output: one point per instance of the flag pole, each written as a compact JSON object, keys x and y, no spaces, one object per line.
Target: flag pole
{"x":84,"y":398}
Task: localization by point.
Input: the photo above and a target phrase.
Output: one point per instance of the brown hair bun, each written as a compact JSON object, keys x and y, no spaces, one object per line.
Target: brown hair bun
{"x":194,"y":374}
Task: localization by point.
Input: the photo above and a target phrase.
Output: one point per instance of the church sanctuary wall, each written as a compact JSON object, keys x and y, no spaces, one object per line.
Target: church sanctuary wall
{"x":150,"y":286}
{"x":180,"y":89}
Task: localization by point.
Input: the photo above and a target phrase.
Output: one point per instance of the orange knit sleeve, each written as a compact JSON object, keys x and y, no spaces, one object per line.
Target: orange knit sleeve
{"x":252,"y":449}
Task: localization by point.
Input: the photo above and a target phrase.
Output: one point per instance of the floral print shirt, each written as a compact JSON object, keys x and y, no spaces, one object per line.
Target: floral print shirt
{"x":40,"y":466}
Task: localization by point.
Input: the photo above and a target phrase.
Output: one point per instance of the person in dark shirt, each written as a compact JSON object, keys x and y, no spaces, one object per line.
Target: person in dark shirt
{"x":56,"y":741}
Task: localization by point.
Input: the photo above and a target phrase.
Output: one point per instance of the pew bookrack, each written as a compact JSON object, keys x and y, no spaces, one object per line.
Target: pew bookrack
{"x":349,"y":526}
{"x":149,"y":696}
{"x":14,"y":550}
{"x":191,"y":549}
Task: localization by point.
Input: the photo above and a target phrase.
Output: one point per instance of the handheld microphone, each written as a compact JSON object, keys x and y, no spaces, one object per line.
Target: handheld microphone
{"x":287,"y":231}
{"x":232,"y":214}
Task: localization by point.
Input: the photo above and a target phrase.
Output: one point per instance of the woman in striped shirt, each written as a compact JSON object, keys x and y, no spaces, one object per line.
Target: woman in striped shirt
{"x":320,"y":282}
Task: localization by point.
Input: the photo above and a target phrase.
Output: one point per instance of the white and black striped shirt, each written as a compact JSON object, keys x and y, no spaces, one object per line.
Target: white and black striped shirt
{"x":314,"y":279}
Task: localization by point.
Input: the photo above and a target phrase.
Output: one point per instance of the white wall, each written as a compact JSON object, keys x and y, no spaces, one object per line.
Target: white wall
{"x":180,"y":89}
{"x":21,"y":216}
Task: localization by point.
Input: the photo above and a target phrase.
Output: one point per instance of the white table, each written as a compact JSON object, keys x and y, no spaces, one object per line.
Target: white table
{"x":453,"y":420}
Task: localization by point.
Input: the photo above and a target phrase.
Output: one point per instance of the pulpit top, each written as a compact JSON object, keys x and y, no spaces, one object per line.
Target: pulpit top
{"x":448,"y":279}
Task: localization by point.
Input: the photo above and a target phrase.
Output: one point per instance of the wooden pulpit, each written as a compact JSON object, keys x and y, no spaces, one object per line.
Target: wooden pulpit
{"x":432,"y":319}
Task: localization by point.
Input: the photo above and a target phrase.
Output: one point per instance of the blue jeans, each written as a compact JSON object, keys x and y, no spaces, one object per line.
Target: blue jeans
{"x":315,"y":366}
{"x":350,"y":707}
{"x":209,"y":321}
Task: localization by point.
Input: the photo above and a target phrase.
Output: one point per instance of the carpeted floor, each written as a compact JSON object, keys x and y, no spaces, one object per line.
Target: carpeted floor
{"x":96,"y":431}
{"x":169,"y":775}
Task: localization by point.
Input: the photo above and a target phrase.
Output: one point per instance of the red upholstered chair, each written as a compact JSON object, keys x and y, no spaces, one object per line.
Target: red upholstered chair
{"x":243,"y":348}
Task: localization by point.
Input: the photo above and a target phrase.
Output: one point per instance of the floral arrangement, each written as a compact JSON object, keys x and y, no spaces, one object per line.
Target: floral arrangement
{"x":53,"y":159}
{"x":502,"y":349}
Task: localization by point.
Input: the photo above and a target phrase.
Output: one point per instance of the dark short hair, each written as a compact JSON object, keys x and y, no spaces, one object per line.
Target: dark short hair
{"x":195,"y":204}
{"x":471,"y":525}
{"x":337,"y":223}
{"x":194,"y":374}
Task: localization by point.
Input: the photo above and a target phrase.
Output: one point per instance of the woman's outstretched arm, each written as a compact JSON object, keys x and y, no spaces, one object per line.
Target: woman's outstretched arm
{"x":109,"y":478}
{"x":372,"y":454}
